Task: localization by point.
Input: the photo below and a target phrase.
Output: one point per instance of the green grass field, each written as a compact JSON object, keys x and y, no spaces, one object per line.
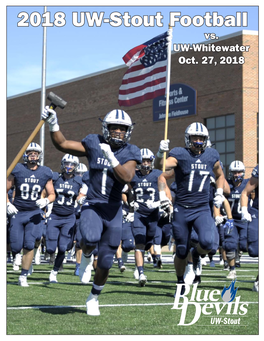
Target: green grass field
{"x":126,"y":308}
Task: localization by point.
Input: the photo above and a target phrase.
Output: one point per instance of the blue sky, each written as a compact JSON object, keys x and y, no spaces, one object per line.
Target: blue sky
{"x":78,"y":51}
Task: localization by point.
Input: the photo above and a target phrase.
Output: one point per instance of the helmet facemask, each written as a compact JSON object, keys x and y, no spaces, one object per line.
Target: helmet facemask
{"x":196,"y":129}
{"x":69,"y":164}
{"x":147,"y":154}
{"x":117,"y":117}
{"x":33,"y":147}
{"x":237,"y":167}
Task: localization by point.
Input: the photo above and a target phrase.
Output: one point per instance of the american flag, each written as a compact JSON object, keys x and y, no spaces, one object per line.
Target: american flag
{"x":146,"y":76}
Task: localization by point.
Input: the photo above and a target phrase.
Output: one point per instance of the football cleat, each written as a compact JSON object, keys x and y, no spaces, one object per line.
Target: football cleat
{"x":149,"y":257}
{"x":136,"y":274}
{"x":256,"y":286}
{"x":122,"y":268}
{"x":18,"y":259}
{"x":232,"y":274}
{"x":159,"y":263}
{"x":197,"y":279}
{"x":53,"y":276}
{"x":85,"y":270}
{"x":142,"y":280}
{"x":226,"y":266}
{"x":22,"y":281}
{"x":189,"y":274}
{"x":15,"y":266}
{"x":92,"y":305}
{"x":182,"y":289}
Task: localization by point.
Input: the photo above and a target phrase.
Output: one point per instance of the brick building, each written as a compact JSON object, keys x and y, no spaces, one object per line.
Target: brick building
{"x":226,"y":102}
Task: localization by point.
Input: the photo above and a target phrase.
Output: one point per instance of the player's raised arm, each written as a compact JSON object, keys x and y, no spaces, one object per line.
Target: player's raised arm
{"x":67,"y":146}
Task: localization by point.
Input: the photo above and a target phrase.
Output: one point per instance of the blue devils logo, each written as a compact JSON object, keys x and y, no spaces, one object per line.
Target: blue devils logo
{"x":229,"y":294}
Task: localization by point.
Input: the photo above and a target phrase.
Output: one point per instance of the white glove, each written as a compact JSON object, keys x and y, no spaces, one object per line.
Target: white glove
{"x":11,"y":209}
{"x":49,"y":209}
{"x":164,"y":147}
{"x":245,"y":216}
{"x":130,"y":217}
{"x":50,"y":116}
{"x":41,"y":203}
{"x":219,"y":219}
{"x":108,"y":154}
{"x":165,"y":202}
{"x":219,"y":197}
{"x":124,"y":213}
{"x":152,"y":204}
{"x":135,"y":205}
{"x":81,"y":200}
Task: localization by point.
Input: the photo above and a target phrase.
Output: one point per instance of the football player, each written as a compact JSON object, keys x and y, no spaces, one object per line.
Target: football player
{"x":127,"y":239}
{"x":29,"y":180}
{"x":235,"y":231}
{"x":251,"y":216}
{"x":83,"y":172}
{"x":192,"y":166}
{"x":61,"y":222}
{"x":112,"y":163}
{"x":145,"y":187}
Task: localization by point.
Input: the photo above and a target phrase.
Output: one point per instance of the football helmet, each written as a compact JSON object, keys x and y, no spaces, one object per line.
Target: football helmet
{"x":117,"y":116}
{"x":81,"y":169}
{"x":69,"y":163}
{"x":195,"y":129}
{"x":236,"y":166}
{"x":36,"y":148}
{"x":147,"y":154}
{"x":209,"y":143}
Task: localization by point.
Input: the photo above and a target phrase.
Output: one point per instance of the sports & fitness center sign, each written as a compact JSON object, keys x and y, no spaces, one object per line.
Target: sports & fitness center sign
{"x":182,"y":102}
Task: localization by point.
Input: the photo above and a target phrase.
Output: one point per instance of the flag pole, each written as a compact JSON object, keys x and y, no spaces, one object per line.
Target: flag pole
{"x":43,"y":88}
{"x":167,"y":92}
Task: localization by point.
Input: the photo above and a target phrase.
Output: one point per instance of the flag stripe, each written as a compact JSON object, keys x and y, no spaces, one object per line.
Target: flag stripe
{"x":146,"y":90}
{"x":139,"y":80}
{"x":140,"y":99}
{"x":142,"y":87}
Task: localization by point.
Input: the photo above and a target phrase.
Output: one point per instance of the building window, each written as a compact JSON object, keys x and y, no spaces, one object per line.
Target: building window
{"x":222,"y":135}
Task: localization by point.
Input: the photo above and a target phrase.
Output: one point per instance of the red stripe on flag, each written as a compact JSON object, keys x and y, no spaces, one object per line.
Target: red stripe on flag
{"x":130,"y":54}
{"x":143,"y":86}
{"x":153,"y":72}
{"x":141,"y":99}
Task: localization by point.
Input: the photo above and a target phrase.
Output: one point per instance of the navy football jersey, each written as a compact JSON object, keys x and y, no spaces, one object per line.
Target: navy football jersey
{"x":255,"y":174}
{"x":103,"y":185}
{"x":192,"y":175}
{"x":146,"y":188}
{"x":234,"y":198}
{"x":28,"y":185}
{"x":10,"y":194}
{"x":86,"y":178}
{"x":66,"y":191}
